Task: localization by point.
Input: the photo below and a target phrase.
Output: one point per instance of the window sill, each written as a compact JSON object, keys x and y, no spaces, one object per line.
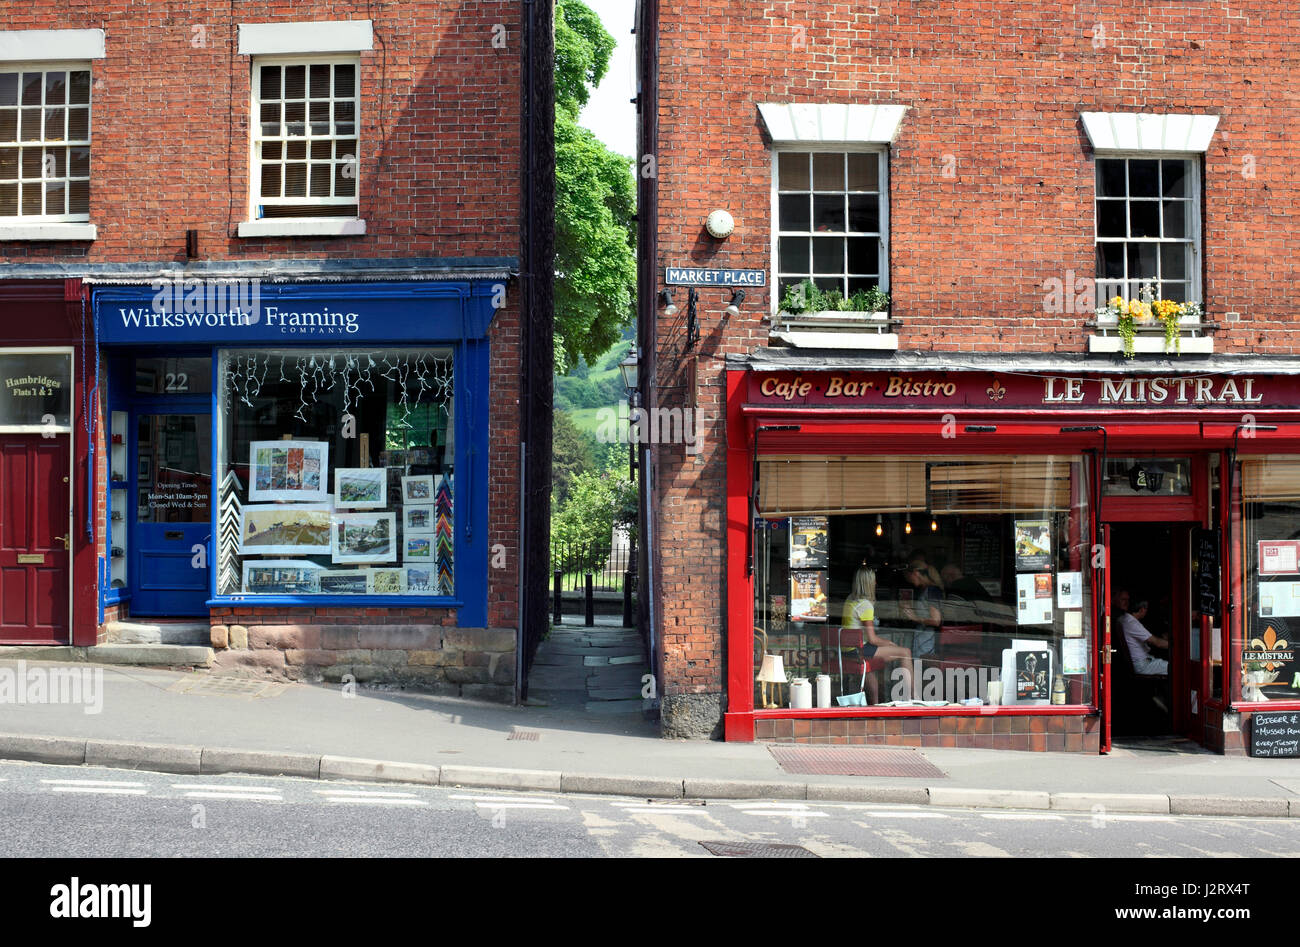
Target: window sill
{"x":312,"y":227}
{"x":56,"y":231}
{"x":836,"y":330}
{"x":1152,"y":345}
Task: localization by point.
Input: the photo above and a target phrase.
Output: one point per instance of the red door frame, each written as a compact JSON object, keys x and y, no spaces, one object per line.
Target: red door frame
{"x":850,"y":431}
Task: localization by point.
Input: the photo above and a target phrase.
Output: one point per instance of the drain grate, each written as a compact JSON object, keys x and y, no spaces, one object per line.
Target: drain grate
{"x":854,"y":761}
{"x":226,"y":687}
{"x":757,"y":850}
{"x":517,"y":734}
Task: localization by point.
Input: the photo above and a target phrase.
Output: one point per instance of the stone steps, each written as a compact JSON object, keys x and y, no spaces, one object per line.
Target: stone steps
{"x":169,"y":632}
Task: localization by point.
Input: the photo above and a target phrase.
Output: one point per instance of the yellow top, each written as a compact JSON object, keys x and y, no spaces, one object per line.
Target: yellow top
{"x":858,"y":613}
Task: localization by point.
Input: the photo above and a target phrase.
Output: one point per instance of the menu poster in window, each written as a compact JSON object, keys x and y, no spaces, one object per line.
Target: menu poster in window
{"x":1279,"y":600}
{"x":809,"y":542}
{"x":1279,"y":556}
{"x":1033,"y":540}
{"x":1074,"y":656}
{"x":1205,"y":571}
{"x":981,"y":552}
{"x":288,"y":470}
{"x":1034,"y":598}
{"x":808,"y":596}
{"x":1069,"y":590}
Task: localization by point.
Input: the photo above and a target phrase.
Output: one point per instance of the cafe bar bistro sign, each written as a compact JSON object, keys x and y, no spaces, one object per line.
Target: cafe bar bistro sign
{"x":993,"y":390}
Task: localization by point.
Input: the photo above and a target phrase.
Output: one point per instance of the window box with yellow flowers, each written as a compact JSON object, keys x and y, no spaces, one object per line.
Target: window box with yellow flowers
{"x":1150,"y":326}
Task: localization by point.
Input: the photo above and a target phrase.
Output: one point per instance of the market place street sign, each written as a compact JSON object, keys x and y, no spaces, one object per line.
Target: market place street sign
{"x":688,"y":276}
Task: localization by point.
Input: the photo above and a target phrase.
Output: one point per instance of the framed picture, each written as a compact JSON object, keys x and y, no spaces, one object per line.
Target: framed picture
{"x":387,"y":581}
{"x":344,"y":581}
{"x":419,"y":581}
{"x":281,"y":577}
{"x":1029,"y":666}
{"x":418,"y":516}
{"x":278,"y":528}
{"x":417,"y":489}
{"x":418,"y":547}
{"x":288,"y":470}
{"x":1033,"y":539}
{"x":364,"y":537}
{"x":361,"y":488}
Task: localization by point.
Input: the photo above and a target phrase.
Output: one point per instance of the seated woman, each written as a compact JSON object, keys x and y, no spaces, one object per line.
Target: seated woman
{"x":860,"y":612}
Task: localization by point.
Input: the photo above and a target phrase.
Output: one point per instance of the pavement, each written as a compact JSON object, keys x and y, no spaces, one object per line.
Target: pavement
{"x":194,"y":722}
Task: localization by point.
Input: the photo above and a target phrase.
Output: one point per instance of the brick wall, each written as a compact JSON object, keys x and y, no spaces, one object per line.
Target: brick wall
{"x":438,"y":157}
{"x":994,"y":92}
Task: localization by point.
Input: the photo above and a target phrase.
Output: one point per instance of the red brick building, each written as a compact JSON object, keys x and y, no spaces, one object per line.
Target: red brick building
{"x":274,"y":251}
{"x":912,"y":497}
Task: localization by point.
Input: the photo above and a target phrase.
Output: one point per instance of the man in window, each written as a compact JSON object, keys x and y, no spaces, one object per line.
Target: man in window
{"x":923,"y":610}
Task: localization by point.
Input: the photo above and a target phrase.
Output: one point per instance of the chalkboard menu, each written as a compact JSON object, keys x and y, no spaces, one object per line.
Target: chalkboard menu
{"x":1205,"y":571}
{"x":1275,"y":734}
{"x":981,"y":549}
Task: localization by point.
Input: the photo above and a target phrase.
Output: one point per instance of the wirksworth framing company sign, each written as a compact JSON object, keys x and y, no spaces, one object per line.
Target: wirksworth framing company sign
{"x":995,"y":390}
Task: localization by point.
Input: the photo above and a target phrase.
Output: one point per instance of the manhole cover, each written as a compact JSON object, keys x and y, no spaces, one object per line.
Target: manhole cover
{"x":757,"y":850}
{"x":517,"y":734}
{"x":226,"y":687}
{"x":854,"y":761}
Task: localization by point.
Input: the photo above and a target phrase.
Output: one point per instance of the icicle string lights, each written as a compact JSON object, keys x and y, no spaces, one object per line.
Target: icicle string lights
{"x":246,"y":375}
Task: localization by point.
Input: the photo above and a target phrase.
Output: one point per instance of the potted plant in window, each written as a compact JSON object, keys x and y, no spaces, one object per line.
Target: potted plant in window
{"x":807,"y":301}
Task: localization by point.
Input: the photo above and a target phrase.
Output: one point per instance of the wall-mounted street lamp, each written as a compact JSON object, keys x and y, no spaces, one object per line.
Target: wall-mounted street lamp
{"x":737,"y":297}
{"x":666,"y":300}
{"x":720,"y":225}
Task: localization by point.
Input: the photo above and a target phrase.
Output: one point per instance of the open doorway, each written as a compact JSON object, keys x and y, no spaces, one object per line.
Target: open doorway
{"x":1146,"y":608}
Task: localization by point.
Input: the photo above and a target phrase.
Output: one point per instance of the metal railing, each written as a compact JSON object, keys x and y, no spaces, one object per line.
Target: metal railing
{"x":588,"y":569}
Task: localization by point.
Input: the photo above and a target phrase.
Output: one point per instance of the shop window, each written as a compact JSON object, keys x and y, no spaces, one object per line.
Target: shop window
{"x":335,"y":472}
{"x":45,"y":144}
{"x":831,"y":219}
{"x":971,"y":572}
{"x":1148,"y":228}
{"x":305,"y":138}
{"x":1263,"y":649}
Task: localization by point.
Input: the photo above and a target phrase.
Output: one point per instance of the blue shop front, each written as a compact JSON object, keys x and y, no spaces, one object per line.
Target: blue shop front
{"x":294,"y":445}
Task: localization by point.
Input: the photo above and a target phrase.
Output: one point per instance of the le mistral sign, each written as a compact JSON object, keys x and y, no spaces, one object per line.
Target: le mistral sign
{"x":990,"y":390}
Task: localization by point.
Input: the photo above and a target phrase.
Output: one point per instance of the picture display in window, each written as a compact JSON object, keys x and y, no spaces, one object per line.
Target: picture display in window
{"x":45,"y":144}
{"x":1146,"y":228}
{"x":829,"y":220}
{"x":941,"y":578}
{"x":306,"y":139}
{"x":343,"y":459}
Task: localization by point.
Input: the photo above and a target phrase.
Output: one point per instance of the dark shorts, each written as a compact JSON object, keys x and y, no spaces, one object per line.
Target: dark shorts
{"x":868,"y":650}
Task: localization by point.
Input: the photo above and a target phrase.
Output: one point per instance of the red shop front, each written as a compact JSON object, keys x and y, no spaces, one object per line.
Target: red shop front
{"x":1030,"y":560}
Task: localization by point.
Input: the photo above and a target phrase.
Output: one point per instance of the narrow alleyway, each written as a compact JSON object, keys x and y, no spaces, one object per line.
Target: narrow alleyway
{"x":598,"y":669}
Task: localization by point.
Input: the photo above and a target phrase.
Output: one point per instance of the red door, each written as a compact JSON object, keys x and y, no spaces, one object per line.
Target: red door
{"x":34,"y":537}
{"x":1103,"y":638}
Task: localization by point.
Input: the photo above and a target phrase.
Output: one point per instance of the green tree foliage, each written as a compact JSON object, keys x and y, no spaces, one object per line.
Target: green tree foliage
{"x":571,"y":454}
{"x":595,"y":198}
{"x":597,"y":502}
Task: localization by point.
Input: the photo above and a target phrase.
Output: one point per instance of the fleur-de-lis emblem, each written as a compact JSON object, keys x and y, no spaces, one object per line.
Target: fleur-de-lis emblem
{"x":995,"y":391}
{"x":1270,"y":642}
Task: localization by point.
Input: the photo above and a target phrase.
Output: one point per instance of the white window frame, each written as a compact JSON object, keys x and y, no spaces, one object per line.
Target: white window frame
{"x":882,"y":151}
{"x":299,"y":226}
{"x":1195,"y":291}
{"x":52,"y":226}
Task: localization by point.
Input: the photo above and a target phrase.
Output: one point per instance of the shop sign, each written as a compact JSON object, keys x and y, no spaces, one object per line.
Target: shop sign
{"x":290,"y":315}
{"x":990,"y":390}
{"x":1275,"y":734}
{"x":691,"y":276}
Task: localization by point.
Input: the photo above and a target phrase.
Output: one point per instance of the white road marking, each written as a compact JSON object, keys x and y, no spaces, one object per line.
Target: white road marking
{"x":88,"y":782}
{"x":519,"y":805}
{"x":103,"y":790}
{"x":217,"y":787}
{"x":1022,"y":816}
{"x":908,"y":815}
{"x":376,"y":800}
{"x":251,"y":796}
{"x":364,"y":793}
{"x":503,"y":798}
{"x":670,"y":810}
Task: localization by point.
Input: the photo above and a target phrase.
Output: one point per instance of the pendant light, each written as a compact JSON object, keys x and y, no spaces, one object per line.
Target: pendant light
{"x":880,"y":526}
